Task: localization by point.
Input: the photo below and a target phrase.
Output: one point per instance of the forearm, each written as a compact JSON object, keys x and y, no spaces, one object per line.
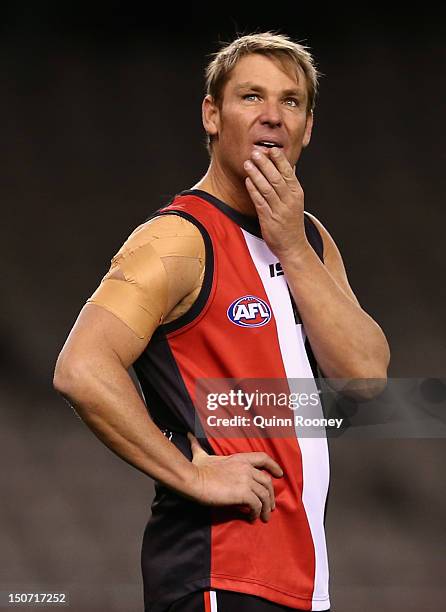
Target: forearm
{"x":105,"y":397}
{"x":346,"y":341}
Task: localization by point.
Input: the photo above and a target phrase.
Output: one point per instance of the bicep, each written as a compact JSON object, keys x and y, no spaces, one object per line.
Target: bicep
{"x":99,"y":333}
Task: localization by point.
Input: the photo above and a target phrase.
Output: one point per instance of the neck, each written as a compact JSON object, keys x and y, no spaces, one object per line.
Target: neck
{"x":227,"y":187}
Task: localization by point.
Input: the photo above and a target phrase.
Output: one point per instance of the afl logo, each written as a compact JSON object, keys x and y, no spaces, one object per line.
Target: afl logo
{"x":249,"y":311}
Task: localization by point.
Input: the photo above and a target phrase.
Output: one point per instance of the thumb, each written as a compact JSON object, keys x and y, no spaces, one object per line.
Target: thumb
{"x":195,"y":445}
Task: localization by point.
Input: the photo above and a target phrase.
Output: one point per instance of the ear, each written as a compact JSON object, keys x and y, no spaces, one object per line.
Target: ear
{"x":308,"y":129}
{"x":210,"y":116}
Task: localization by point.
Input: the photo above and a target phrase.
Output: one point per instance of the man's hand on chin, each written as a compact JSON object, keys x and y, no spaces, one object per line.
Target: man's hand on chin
{"x":279,"y":200}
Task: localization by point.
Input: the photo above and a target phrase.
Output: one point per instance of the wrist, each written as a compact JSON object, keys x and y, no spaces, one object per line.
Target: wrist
{"x":296,"y":257}
{"x":192,"y":484}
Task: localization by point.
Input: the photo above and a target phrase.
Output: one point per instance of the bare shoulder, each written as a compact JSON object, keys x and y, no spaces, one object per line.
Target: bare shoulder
{"x":332,"y":257}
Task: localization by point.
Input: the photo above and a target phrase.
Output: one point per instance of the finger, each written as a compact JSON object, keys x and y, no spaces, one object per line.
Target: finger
{"x":255,"y":505}
{"x":195,"y":445}
{"x":262,"y":460}
{"x":271,"y":172}
{"x":263,"y":494}
{"x":262,"y":207}
{"x":266,"y":481}
{"x":284,"y":167}
{"x":262,"y":184}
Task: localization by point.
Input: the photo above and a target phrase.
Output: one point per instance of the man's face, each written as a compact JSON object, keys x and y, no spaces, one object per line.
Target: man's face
{"x":262,"y":102}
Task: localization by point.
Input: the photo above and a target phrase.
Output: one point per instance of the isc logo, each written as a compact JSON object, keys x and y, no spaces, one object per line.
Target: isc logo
{"x":249,"y":311}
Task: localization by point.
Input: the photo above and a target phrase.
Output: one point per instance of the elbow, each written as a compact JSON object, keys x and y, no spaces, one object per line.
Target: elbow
{"x":360,"y":389}
{"x":374,"y":364}
{"x":362,"y":375}
{"x":68,"y":375}
{"x":378,"y":366}
{"x":369,"y":380}
{"x":364,"y":389}
{"x":373,"y":373}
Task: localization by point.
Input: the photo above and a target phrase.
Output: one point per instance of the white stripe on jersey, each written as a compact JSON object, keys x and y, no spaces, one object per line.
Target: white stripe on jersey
{"x":213,"y":599}
{"x":314,"y":450}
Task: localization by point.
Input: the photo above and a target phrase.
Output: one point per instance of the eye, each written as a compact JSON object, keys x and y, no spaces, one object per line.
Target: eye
{"x":250,"y":97}
{"x":293,"y":102}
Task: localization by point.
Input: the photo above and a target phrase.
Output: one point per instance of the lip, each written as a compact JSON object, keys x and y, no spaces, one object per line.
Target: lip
{"x":274,"y":141}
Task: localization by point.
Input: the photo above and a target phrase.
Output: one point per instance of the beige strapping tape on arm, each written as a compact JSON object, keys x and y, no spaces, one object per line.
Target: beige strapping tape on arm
{"x":135,"y":288}
{"x":139,"y":298}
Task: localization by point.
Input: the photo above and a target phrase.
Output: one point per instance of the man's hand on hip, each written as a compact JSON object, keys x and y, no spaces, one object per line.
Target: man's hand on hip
{"x":237,"y":479}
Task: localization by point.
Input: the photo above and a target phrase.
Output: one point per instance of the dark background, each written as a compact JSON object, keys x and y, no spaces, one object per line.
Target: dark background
{"x":100,"y":125}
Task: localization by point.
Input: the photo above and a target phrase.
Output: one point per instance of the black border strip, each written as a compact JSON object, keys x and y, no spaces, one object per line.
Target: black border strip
{"x":314,"y":236}
{"x":167,"y":398}
{"x":206,"y":287}
{"x":250,"y":224}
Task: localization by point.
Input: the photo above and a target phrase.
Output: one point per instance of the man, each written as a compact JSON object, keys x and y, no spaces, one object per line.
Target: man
{"x":220,"y":284}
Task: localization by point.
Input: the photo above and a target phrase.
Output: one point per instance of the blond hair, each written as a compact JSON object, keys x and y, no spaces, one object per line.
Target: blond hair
{"x":270,"y":44}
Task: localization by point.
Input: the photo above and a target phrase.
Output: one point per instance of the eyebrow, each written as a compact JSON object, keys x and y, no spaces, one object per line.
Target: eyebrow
{"x":298,"y":93}
{"x":287,"y":92}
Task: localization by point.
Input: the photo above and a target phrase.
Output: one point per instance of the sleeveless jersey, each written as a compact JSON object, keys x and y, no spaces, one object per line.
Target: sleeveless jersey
{"x":189,"y":546}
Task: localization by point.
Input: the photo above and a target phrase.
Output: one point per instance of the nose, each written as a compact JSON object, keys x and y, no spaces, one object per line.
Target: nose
{"x":271,"y":114}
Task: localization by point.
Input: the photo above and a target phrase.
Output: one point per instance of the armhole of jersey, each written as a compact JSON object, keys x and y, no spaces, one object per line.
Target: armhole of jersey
{"x":197,"y":307}
{"x":315,"y":239}
{"x":314,"y":236}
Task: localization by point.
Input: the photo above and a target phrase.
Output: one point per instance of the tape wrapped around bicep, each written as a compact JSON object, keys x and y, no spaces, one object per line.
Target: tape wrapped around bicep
{"x":142,"y":286}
